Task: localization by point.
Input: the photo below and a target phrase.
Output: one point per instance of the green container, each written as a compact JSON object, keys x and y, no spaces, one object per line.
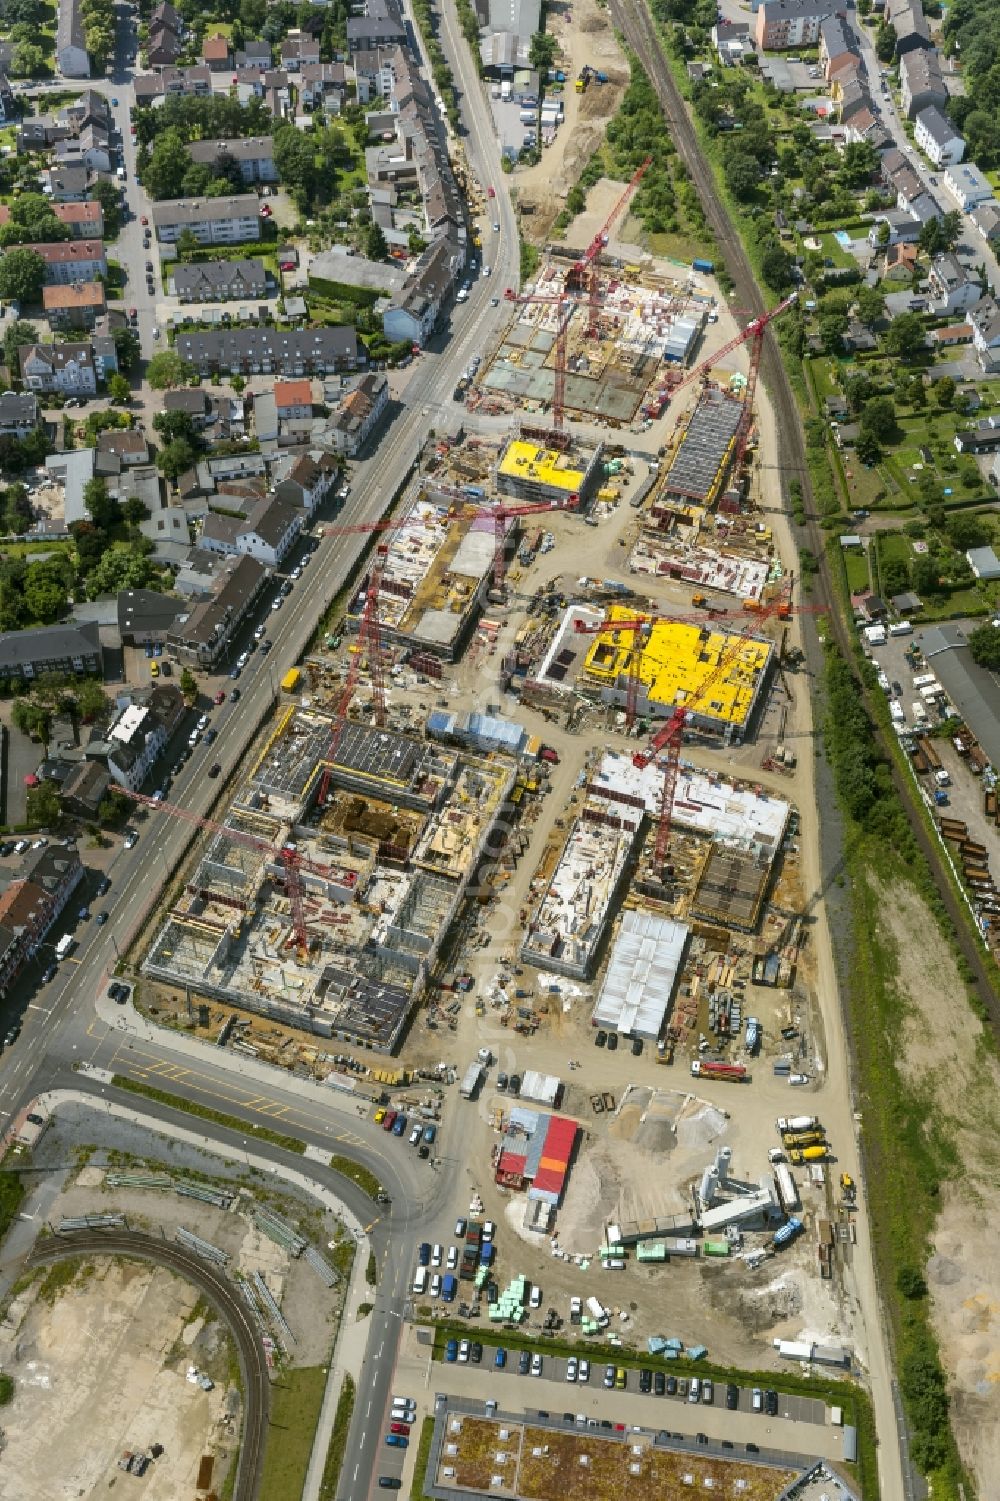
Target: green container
{"x":715,"y":1247}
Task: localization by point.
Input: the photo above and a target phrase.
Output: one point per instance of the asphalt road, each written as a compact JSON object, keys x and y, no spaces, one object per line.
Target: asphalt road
{"x":235,"y":1313}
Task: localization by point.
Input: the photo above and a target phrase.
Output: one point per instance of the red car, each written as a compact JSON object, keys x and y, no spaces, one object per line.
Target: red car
{"x":389,"y":1121}
{"x":548,"y":754}
{"x":491,"y":192}
{"x":265,"y":210}
{"x":144,"y":220}
{"x":220,"y":697}
{"x":403,"y":1428}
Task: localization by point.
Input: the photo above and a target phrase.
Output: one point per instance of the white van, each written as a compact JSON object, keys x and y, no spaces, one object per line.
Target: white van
{"x":420,"y":1280}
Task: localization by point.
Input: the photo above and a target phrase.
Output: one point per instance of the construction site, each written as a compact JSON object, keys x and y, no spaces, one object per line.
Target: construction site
{"x":323,"y":899}
{"x":658,"y":667}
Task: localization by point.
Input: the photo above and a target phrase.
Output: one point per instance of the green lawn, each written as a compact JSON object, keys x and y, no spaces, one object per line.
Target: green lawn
{"x":856,"y":564}
{"x":296,"y":1398}
{"x":824,"y":378}
{"x":829,"y":247}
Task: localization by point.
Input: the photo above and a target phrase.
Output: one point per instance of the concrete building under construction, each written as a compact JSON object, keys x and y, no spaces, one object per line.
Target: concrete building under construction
{"x":329,"y":918}
{"x":718,"y":675}
{"x":702,"y":454}
{"x":539,"y":468}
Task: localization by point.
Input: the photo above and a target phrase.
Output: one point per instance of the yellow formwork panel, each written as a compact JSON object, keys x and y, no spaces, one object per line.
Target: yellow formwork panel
{"x":677,"y":662}
{"x":546,"y":466}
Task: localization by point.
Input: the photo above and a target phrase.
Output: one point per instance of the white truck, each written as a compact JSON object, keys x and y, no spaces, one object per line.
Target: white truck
{"x":796,"y":1123}
{"x":471,"y":1082}
{"x":65,"y":946}
{"x":598,"y":1312}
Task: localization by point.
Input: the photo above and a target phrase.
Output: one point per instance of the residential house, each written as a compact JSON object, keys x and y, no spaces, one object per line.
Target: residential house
{"x":781,"y":24}
{"x":985,"y":319}
{"x":8,"y":104}
{"x":195,"y":81}
{"x":218,"y":281}
{"x":62,"y":369}
{"x":359,"y":413}
{"x":32,"y":902}
{"x":40,"y":135}
{"x":731,"y":40}
{"x":951,"y":335}
{"x":920,"y":82}
{"x":220,"y":415}
{"x":907,"y":19}
{"x":254,"y":155}
{"x":866,"y":126}
{"x":267,"y":351}
{"x":145,"y":616}
{"x":85,"y":789}
{"x":981,"y":439}
{"x":952,"y":288}
{"x":938,"y":138}
{"x":85,"y":221}
{"x":293,"y":398}
{"x":838,"y":46}
{"x":67,"y":649}
{"x":213,"y":221}
{"x":900,"y":262}
{"x":73,"y":260}
{"x":854,"y":99}
{"x":164,"y":45}
{"x":300,"y":48}
{"x":968,"y":186}
{"x":322,"y":86}
{"x":90,"y":149}
{"x":127,"y":445}
{"x":269,"y":532}
{"x":67,"y":184}
{"x":104,"y":353}
{"x":986,"y":218}
{"x":984,"y":563}
{"x":368,"y":33}
{"x":200,"y":636}
{"x":19,"y":414}
{"x":71,"y":47}
{"x":217,"y":54}
{"x":134,"y":741}
{"x":306,"y":481}
{"x":253,"y":56}
{"x":413,"y":314}
{"x":78,"y":305}
{"x":91,"y":108}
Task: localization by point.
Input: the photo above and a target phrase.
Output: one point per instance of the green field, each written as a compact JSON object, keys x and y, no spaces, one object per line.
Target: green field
{"x":296,"y":1399}
{"x":856,"y":564}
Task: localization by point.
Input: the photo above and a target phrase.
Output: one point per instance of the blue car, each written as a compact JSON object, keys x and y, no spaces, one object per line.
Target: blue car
{"x":500,"y":1359}
{"x":397,"y":1441}
{"x":399,"y":1125}
{"x":429,"y":1134}
{"x":451,"y":1351}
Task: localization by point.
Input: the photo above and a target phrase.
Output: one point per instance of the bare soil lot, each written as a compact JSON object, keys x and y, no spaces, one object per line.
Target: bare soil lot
{"x":99,"y":1366}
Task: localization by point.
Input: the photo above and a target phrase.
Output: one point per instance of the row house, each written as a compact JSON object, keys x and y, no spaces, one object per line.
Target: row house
{"x":938,"y":138}
{"x":266,"y":533}
{"x":920,"y":82}
{"x":78,"y":305}
{"x":200,"y":636}
{"x":305,"y":480}
{"x":266,"y":351}
{"x":359,"y":414}
{"x":218,"y":281}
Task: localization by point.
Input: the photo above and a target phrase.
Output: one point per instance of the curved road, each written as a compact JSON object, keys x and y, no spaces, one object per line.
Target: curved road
{"x":231,"y":1307}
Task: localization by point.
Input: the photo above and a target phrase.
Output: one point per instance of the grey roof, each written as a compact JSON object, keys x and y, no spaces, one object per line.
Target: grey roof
{"x":337,"y":264}
{"x":985,"y":318}
{"x":233,"y":346}
{"x":777,"y":10}
{"x":142,"y":610}
{"x":908,"y":19}
{"x":923,"y":71}
{"x":48,"y":643}
{"x":248,"y":149}
{"x":69,"y":29}
{"x":207,"y":277}
{"x":937,"y":125}
{"x":837,"y":36}
{"x":200,"y":210}
{"x":973,"y":690}
{"x":219,"y":528}
{"x":949,"y":271}
{"x":382,"y":29}
{"x":18,"y":408}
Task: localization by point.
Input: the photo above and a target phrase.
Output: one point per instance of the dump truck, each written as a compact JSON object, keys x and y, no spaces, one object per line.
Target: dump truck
{"x":804,"y":1139}
{"x":472,"y":1080}
{"x":708,"y":1068}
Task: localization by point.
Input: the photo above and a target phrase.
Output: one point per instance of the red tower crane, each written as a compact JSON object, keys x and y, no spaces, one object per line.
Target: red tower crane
{"x":585,"y":273}
{"x":755,"y":330}
{"x":566,"y":306}
{"x":290,"y":858}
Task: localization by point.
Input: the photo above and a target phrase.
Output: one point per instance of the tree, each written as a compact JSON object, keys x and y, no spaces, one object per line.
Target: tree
{"x":127,"y":347}
{"x":187,"y":243}
{"x":171,"y":425}
{"x":28,"y":61}
{"x":45,"y":597}
{"x":879,"y":419}
{"x":965,"y":531}
{"x":22,"y":275}
{"x":542,"y":52}
{"x":43,"y":808}
{"x":91,"y":700}
{"x":925,"y":573}
{"x":109,"y":197}
{"x":175,"y":458}
{"x":135,"y":510}
{"x":858,"y":164}
{"x":776,"y":267}
{"x":16,"y":509}
{"x":17,"y":334}
{"x":944,"y":392}
{"x":169,"y":161}
{"x":188,"y":684}
{"x":119,"y":389}
{"x":167,"y":369}
{"x":376,"y":248}
{"x":885,"y":42}
{"x":905,"y":336}
{"x":295,"y":163}
{"x":868,"y":448}
{"x":742,"y":176}
{"x":832,"y":327}
{"x":102,"y":507}
{"x":984,"y":646}
{"x":858,"y":388}
{"x":871,"y":306}
{"x":120,"y":567}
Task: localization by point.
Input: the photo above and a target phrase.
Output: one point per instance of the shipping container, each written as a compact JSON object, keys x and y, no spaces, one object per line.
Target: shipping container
{"x":716,"y":1247}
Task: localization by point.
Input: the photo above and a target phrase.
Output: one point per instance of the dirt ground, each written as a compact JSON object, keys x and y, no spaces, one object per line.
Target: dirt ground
{"x":941,"y":1050}
{"x":584,"y":34}
{"x":99,"y":1367}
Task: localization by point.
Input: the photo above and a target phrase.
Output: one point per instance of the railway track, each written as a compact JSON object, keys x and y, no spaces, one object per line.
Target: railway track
{"x":636,"y":25}
{"x":230,"y":1307}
